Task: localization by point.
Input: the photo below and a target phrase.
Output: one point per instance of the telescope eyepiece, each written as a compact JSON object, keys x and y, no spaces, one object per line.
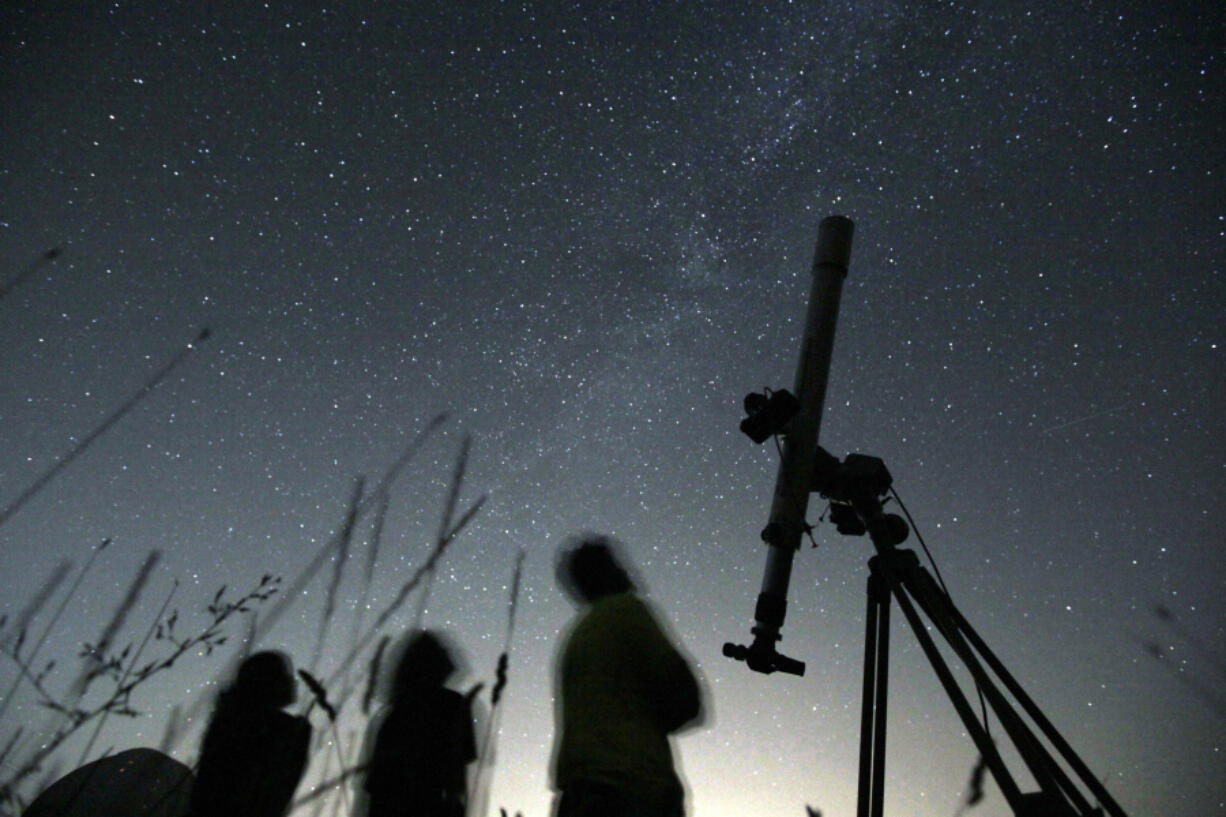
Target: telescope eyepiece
{"x":762,"y":657}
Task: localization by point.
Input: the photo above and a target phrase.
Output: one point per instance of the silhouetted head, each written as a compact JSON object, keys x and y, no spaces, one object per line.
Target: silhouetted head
{"x":589,"y":569}
{"x":424,"y":662}
{"x":265,"y":679}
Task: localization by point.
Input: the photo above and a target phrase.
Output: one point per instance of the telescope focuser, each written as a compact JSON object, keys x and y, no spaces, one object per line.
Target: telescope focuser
{"x":760,"y":656}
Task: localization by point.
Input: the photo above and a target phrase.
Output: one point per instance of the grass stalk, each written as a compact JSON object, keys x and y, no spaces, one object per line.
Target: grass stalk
{"x":481,"y":778}
{"x":308,"y":573}
{"x":21,"y":277}
{"x":131,"y":665}
{"x":96,"y":661}
{"x":338,"y":568}
{"x":118,"y":701}
{"x":447,"y":534}
{"x":117,"y":415}
{"x":27,"y":615}
{"x":266,"y":623}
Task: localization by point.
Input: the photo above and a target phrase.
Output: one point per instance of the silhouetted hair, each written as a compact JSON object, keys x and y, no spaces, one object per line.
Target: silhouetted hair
{"x":588,"y":568}
{"x":424,"y":662}
{"x":264,"y":679}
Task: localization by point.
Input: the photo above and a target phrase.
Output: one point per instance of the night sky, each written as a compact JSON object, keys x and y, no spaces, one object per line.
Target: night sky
{"x":585,"y":231}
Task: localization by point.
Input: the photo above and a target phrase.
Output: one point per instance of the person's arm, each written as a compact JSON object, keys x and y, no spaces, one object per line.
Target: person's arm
{"x":674,"y":685}
{"x":301,"y":746}
{"x":285,"y":774}
{"x":683,"y":699}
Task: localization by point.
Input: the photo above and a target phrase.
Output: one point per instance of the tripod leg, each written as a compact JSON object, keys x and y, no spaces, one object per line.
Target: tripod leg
{"x":1051,"y":778}
{"x":883,"y":678}
{"x":873,"y":698}
{"x":1049,"y":730}
{"x":867,"y":697}
{"x":983,"y":742}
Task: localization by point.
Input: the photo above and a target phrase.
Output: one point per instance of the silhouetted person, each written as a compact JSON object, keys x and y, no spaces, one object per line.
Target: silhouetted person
{"x":253,"y":753}
{"x":418,"y":762}
{"x":622,"y":689}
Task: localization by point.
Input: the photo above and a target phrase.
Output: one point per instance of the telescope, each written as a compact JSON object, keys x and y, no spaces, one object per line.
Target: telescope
{"x":857,"y":488}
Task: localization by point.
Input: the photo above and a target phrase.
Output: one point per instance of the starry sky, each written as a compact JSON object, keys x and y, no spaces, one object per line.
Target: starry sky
{"x":584,"y":231}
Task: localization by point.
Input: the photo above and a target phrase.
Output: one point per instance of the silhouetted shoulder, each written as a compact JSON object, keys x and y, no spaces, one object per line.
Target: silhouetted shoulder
{"x":417,"y":763}
{"x":251,"y":763}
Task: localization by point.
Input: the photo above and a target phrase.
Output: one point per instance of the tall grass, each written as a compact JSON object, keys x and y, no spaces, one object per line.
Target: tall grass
{"x":114,"y":671}
{"x":113,"y":675}
{"x":1196,"y":671}
{"x":59,"y":612}
{"x":21,"y":277}
{"x":338,"y":568}
{"x":451,"y":524}
{"x":485,"y":756}
{"x":14,"y":638}
{"x":114,"y":417}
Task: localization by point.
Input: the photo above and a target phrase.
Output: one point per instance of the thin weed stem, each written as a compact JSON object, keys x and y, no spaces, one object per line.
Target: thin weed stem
{"x":338,"y":568}
{"x":80,"y":448}
{"x":127,"y":673}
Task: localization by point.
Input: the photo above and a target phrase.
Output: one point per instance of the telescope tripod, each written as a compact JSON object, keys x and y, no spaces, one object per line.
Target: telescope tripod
{"x":855,"y":488}
{"x":898,"y":574}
